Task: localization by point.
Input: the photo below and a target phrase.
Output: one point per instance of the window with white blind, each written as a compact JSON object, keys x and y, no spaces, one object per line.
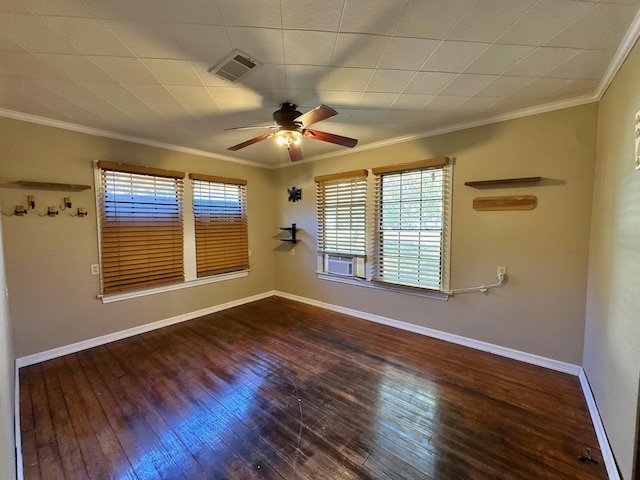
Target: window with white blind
{"x":141,"y":229}
{"x":219,"y":208}
{"x":342,"y":205}
{"x":411,"y":220}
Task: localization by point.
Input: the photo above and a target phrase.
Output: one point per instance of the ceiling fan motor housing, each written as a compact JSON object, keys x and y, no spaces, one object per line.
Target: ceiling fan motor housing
{"x":286,"y":115}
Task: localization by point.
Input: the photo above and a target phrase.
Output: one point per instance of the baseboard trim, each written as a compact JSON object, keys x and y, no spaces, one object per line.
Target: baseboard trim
{"x":576,"y":370}
{"x":16,"y":424}
{"x":601,"y":434}
{"x":448,"y":337}
{"x":112,"y":337}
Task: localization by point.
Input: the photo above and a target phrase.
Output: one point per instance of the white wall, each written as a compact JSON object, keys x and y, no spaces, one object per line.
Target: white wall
{"x":612,"y":332}
{"x":7,"y":384}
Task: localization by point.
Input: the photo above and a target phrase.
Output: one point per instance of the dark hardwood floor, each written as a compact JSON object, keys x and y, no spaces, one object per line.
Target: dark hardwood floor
{"x":281,"y":390}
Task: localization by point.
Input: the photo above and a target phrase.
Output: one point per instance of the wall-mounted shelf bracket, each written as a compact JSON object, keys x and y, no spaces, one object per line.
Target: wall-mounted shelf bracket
{"x":293,"y":229}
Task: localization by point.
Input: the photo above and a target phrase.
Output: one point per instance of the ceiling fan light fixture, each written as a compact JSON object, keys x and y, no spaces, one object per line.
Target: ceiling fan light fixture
{"x":288,"y":137}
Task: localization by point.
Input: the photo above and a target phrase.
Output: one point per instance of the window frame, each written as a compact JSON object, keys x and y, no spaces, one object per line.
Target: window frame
{"x":341,"y":206}
{"x":368,"y":281}
{"x":403,"y":203}
{"x":123,"y":207}
{"x":189,"y":256}
{"x":212,"y":257}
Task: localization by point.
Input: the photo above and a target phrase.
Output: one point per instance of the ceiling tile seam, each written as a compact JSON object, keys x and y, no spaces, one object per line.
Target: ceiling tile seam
{"x":594,"y":5}
{"x":124,"y":112}
{"x":443,"y":40}
{"x":123,"y":85}
{"x":226,"y":27}
{"x":80,"y":85}
{"x":46,"y":26}
{"x":575,"y":54}
{"x":497,"y":40}
{"x":445,"y":37}
{"x":335,"y":45}
{"x":284,"y":66}
{"x":111,"y":76}
{"x":26,"y":7}
{"x":375,"y":68}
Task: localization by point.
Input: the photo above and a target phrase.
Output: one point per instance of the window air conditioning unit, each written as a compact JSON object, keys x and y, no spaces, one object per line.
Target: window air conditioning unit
{"x":338,"y":265}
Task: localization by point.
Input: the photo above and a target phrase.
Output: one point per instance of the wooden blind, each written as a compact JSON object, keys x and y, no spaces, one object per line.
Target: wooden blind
{"x":341,"y":201}
{"x":222,"y":239}
{"x":141,"y":230}
{"x":409,"y":232}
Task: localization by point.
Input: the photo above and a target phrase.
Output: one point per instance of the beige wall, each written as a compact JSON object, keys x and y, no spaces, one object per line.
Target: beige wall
{"x":52,"y":293}
{"x":541,"y":310}
{"x":612,"y":337}
{"x":7,"y":383}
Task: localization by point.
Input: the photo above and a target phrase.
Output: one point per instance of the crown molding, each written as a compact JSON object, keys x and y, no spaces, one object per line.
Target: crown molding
{"x":527,"y":112}
{"x":629,"y":40}
{"x":27,"y":117}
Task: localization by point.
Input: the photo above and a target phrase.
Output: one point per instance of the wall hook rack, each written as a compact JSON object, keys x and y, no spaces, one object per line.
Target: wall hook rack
{"x":81,"y":213}
{"x":20,"y":211}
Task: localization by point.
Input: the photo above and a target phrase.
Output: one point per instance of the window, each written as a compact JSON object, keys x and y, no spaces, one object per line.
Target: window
{"x":341,"y":202}
{"x":141,"y":230}
{"x":411,"y":215}
{"x":219,"y":209}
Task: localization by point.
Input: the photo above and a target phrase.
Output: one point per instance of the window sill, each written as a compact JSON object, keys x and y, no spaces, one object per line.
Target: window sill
{"x":361,"y":282}
{"x":116,"y":297}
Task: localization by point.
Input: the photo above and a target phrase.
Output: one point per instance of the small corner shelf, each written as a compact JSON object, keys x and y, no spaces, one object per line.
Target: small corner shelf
{"x":293,"y":229}
{"x":44,"y":185}
{"x":502,"y":182}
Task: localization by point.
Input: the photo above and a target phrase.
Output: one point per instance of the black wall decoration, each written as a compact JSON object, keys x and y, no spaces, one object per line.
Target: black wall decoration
{"x":295,"y":194}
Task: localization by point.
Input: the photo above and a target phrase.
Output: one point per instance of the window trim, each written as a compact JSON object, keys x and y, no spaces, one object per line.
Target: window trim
{"x":351,"y":177}
{"x":146,"y":177}
{"x":219,"y":185}
{"x":444,"y":292}
{"x":191,"y":279}
{"x":223,"y":277}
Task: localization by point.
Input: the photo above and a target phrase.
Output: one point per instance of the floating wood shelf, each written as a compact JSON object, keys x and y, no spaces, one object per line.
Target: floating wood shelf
{"x":502,"y":181}
{"x":45,"y":185}
{"x":509,"y":202}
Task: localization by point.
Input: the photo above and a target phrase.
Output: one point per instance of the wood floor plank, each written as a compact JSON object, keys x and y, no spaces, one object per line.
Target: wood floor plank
{"x":280,"y":390}
{"x":47,"y":446}
{"x":30,"y":464}
{"x":70,"y":455}
{"x":149,"y":452}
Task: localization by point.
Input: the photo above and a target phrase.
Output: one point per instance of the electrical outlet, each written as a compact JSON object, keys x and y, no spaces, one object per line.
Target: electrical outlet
{"x":95,"y":269}
{"x":293,"y":252}
{"x":502,"y":270}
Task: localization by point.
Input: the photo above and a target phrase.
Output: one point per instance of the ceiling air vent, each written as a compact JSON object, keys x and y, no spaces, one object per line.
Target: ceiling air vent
{"x":234,"y":67}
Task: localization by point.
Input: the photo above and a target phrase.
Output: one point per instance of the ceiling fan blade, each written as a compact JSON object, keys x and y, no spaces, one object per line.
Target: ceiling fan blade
{"x":249,"y":127}
{"x":250,"y":142}
{"x":295,"y":152}
{"x":318,"y":114}
{"x":331,"y":137}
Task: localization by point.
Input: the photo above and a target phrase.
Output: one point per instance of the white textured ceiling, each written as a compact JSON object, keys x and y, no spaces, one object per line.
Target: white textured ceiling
{"x":391,"y":68}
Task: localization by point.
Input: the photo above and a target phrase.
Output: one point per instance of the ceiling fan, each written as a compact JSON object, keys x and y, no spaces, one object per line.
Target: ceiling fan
{"x":289,"y":126}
